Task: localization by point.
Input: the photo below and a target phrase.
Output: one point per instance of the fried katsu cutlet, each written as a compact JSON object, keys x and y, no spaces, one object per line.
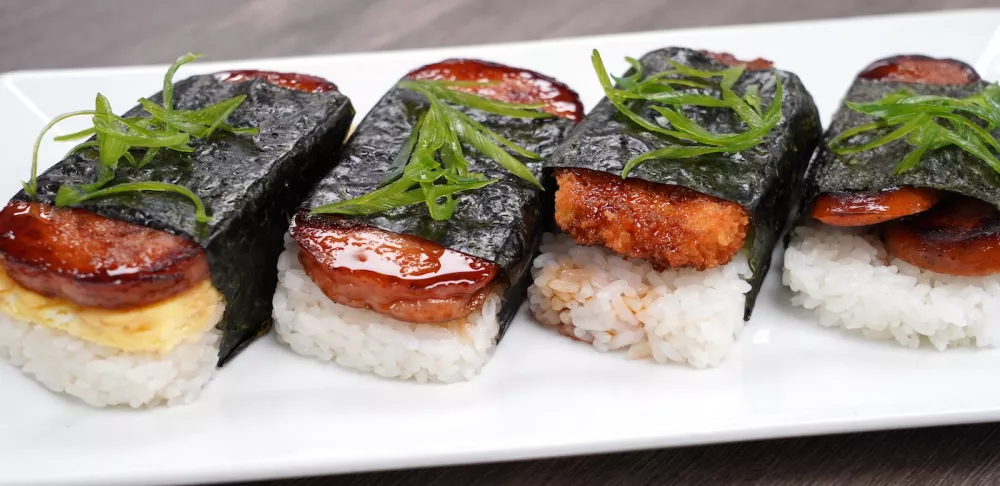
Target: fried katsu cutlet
{"x":668,"y":226}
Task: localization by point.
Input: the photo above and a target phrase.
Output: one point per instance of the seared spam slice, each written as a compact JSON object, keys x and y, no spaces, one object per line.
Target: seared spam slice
{"x":95,"y":261}
{"x":129,"y":251}
{"x":960,"y":236}
{"x":414,"y":268}
{"x":402,"y":276}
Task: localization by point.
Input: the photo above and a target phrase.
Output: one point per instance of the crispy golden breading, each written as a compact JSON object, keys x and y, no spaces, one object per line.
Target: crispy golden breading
{"x":669,"y":226}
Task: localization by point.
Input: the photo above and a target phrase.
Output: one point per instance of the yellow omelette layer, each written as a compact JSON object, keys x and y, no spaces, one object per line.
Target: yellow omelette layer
{"x":155,"y":328}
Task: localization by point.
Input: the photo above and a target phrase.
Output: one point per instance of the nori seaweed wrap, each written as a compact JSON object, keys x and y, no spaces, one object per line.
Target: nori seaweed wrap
{"x":761,"y":179}
{"x":898,"y":233}
{"x":250,"y":185}
{"x":948,"y":169}
{"x":494,"y":226}
{"x":685,"y":217}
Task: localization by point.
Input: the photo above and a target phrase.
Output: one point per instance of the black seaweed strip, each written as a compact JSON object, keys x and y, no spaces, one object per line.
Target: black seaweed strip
{"x":499,"y":223}
{"x":950,"y":169}
{"x":250,"y":185}
{"x":761,"y":179}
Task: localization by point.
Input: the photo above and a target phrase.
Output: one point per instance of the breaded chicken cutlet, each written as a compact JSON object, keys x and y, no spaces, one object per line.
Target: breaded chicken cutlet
{"x":669,"y":226}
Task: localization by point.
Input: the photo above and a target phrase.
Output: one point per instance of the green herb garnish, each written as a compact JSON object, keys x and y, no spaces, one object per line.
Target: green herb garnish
{"x":431,"y":166}
{"x":686,"y":86}
{"x":929,"y":123}
{"x":115,"y":138}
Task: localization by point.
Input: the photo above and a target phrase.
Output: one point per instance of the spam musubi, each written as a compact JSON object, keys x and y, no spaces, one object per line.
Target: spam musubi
{"x":669,"y":199}
{"x":899,"y":237}
{"x":411,"y":257}
{"x":134,"y":267}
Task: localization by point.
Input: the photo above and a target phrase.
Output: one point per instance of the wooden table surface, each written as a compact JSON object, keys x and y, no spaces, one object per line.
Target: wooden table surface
{"x":76,"y":33}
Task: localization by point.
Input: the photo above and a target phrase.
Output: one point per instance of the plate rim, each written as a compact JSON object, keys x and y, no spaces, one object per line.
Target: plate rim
{"x":308,"y":466}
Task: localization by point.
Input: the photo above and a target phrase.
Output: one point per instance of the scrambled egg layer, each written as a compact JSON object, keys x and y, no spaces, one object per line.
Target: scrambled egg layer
{"x":155,"y":328}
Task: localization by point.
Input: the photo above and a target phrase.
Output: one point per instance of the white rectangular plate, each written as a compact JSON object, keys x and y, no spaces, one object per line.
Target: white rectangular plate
{"x":272,"y":413}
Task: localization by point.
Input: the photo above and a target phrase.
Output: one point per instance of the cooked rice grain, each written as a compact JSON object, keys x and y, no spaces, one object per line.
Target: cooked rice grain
{"x":313,"y":325}
{"x":596,"y":296}
{"x":848,"y":279}
{"x":103,"y":376}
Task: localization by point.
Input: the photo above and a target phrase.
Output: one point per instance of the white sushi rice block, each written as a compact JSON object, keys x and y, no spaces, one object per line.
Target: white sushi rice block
{"x":313,"y":325}
{"x":848,"y":279}
{"x":103,"y":376}
{"x":596,"y":296}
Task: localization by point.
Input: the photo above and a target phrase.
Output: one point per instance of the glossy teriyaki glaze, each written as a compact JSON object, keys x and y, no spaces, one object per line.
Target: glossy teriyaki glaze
{"x":508,"y":84}
{"x":94,"y":261}
{"x":920,"y":69}
{"x":960,"y":236}
{"x":407,"y":277}
{"x":864,"y":208}
{"x":402,"y":276}
{"x":758,"y":64}
{"x":293,"y":81}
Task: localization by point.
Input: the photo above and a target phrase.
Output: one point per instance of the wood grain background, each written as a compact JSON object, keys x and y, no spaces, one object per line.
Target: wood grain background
{"x":76,"y":33}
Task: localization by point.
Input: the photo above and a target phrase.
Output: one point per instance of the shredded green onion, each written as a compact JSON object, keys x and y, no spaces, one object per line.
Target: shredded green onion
{"x":690,"y":138}
{"x":72,"y":196}
{"x":928,"y":123}
{"x":31,"y":187}
{"x":115,"y":138}
{"x":431,"y":167}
